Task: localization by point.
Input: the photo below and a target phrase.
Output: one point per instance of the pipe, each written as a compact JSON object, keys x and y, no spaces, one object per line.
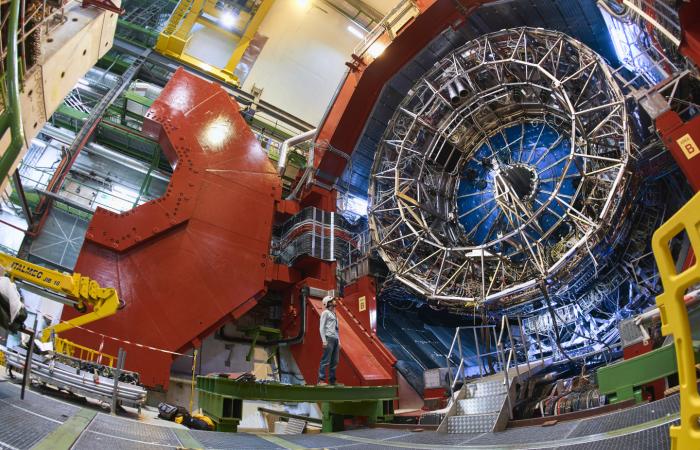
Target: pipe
{"x":690,"y":299}
{"x":11,"y":154}
{"x":452,"y":94}
{"x":294,"y":140}
{"x":461,"y":89}
{"x":286,"y":341}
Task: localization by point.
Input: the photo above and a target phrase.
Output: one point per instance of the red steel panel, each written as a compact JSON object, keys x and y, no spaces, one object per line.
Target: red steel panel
{"x":358,"y":365}
{"x":364,"y":361}
{"x":682,"y":139}
{"x":688,"y":14}
{"x":353,"y":105}
{"x":196,"y":257}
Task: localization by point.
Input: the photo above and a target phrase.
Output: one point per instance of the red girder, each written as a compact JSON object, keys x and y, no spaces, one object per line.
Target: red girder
{"x":197,"y":257}
{"x":353,"y":105}
{"x":689,"y":14}
{"x":364,"y":359}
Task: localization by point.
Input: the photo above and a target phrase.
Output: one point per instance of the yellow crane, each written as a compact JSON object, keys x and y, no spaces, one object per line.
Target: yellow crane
{"x":75,"y":289}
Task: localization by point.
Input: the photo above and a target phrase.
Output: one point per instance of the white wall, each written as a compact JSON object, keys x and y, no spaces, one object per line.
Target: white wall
{"x":210,"y":46}
{"x":303,"y":61}
{"x":383,"y":6}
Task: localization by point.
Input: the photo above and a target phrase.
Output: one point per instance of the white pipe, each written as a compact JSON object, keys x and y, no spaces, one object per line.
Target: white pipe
{"x":653,"y":21}
{"x":298,"y":139}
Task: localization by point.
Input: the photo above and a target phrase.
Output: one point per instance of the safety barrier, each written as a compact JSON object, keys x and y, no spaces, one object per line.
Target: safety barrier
{"x":674,"y":316}
{"x":68,"y":348}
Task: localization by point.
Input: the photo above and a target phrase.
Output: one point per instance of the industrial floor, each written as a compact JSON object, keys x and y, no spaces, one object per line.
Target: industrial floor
{"x":43,"y":422}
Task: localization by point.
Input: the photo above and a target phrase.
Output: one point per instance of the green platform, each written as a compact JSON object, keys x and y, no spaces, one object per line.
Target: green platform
{"x":222,"y":400}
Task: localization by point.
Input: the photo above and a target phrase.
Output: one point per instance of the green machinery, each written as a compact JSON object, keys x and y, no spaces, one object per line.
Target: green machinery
{"x":222,"y":400}
{"x":623,"y":380}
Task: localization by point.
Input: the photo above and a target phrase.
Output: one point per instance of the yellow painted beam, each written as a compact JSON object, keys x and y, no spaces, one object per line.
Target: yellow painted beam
{"x":179,"y":39}
{"x":248,"y":36}
{"x":173,"y":22}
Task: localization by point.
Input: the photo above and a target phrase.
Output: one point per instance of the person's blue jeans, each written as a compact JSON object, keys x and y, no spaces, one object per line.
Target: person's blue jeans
{"x":329,"y":358}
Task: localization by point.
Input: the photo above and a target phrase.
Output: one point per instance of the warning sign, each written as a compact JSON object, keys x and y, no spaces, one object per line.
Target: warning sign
{"x":688,"y":145}
{"x":362,"y":303}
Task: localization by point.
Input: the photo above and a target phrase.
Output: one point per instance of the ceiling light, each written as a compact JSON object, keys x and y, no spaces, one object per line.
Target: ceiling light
{"x":303,"y":3}
{"x":355,"y":32}
{"x":228,"y":19}
{"x":376,"y":49}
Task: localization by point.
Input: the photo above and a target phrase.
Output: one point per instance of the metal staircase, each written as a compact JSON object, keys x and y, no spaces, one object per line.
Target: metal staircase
{"x":479,"y":410}
{"x":484,"y":401}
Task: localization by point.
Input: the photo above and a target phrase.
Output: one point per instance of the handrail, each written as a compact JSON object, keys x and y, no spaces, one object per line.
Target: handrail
{"x":505,"y":357}
{"x":400,"y":10}
{"x":457,"y":341}
{"x":68,"y":348}
{"x":13,"y":107}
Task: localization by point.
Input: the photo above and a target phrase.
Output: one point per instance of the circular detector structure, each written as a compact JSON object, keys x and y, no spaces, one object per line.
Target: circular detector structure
{"x":503,"y":165}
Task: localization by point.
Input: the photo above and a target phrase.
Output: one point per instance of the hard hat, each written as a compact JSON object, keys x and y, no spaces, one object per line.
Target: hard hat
{"x":327,"y":299}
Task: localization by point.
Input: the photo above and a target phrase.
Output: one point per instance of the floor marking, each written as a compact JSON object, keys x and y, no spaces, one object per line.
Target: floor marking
{"x":186,"y":439}
{"x":281,"y":442}
{"x":66,"y":435}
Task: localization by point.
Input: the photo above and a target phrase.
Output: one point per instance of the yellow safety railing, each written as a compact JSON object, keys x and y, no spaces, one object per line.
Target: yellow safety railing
{"x":68,"y":348}
{"x":674,"y":316}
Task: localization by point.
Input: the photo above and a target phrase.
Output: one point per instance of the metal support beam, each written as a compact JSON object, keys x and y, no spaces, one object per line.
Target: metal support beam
{"x":23,"y":200}
{"x":10,"y":154}
{"x":89,"y":126}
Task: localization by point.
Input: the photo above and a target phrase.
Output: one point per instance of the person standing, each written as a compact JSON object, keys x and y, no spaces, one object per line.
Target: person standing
{"x":330,"y":338}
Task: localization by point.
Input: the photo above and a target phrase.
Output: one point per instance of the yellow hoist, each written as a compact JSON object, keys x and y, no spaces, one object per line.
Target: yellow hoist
{"x":74,"y":289}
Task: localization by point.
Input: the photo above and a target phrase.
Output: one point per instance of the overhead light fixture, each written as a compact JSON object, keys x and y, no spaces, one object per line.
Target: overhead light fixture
{"x":228,"y":19}
{"x":303,"y":3}
{"x":355,"y":32}
{"x":376,"y":49}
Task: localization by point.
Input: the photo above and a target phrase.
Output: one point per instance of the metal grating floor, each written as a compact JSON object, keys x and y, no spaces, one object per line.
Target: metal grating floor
{"x":93,"y":441}
{"x":61,"y":239}
{"x":628,"y":417}
{"x":22,"y":430}
{"x":317,"y":441}
{"x":25,"y":423}
{"x":656,"y":438}
{"x":129,"y":429}
{"x":210,"y":439}
{"x":20,"y":427}
{"x":36,"y":403}
{"x":527,"y":434}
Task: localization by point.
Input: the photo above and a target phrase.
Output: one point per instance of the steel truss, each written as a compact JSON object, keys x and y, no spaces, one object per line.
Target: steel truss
{"x":465,"y":208}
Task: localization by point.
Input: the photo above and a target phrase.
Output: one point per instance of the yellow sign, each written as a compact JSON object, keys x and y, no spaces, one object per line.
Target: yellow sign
{"x":688,"y":145}
{"x":362,"y":303}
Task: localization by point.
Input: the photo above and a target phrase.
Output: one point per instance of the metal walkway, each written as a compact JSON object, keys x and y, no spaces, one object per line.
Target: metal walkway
{"x":43,"y":422}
